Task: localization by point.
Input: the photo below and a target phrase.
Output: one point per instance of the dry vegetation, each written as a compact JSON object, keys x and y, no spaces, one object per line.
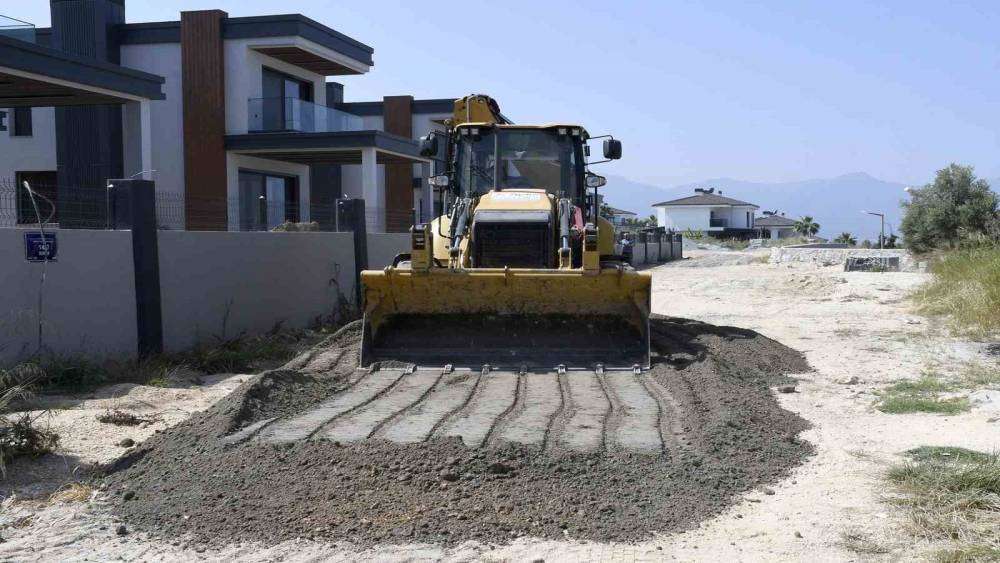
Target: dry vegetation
{"x":966,"y":288}
{"x":952,"y":499}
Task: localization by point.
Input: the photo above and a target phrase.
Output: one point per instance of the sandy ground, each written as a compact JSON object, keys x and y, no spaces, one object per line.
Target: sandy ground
{"x":847,"y":324}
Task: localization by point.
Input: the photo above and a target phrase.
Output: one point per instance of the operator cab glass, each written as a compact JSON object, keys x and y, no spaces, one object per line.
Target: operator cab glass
{"x":529,"y":159}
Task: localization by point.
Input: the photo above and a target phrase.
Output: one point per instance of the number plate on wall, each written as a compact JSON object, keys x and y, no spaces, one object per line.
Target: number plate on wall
{"x":39,"y":247}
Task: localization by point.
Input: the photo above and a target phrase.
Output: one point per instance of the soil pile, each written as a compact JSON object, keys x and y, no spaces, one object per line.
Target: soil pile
{"x":724,"y":435}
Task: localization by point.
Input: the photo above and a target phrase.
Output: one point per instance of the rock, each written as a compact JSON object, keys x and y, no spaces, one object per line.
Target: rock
{"x":786,"y":389}
{"x":798,"y":535}
{"x":768,"y":491}
{"x":122,"y":530}
{"x":986,"y":399}
{"x":129,"y":495}
{"x":850,"y":380}
{"x":448,"y":475}
{"x":498,"y":468}
{"x":127,"y":443}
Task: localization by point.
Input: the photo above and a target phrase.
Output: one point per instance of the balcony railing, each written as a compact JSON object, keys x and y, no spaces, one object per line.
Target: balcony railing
{"x":718,"y":222}
{"x":17,"y":29}
{"x":271,"y":115}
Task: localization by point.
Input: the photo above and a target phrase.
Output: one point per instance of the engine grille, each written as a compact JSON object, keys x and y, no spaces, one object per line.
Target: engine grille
{"x":517,"y":245}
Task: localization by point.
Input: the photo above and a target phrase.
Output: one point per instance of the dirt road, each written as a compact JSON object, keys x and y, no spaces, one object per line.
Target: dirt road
{"x":851,"y":327}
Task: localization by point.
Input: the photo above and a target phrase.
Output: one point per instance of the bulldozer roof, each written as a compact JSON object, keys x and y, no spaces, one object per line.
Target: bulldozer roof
{"x":519,"y":126}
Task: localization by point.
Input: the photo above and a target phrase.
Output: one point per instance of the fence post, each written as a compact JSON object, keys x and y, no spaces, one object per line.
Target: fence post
{"x":351,"y":217}
{"x":261,"y":213}
{"x":140,"y":216}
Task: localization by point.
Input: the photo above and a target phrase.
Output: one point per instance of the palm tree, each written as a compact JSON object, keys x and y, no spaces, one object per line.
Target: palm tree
{"x":806,"y":226}
{"x":846,"y":238}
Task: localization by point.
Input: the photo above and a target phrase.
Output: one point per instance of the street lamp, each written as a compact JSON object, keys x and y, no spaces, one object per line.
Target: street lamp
{"x":881,"y":240}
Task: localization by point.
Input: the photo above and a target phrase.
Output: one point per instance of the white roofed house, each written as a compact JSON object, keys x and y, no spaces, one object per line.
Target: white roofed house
{"x":619,"y":217}
{"x":774,"y":225}
{"x":709,"y":212}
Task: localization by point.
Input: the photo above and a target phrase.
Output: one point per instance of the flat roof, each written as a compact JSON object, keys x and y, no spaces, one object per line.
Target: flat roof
{"x":342,"y":147}
{"x":33,"y":75}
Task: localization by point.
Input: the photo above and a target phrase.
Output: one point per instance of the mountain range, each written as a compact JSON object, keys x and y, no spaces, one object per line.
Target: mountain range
{"x":837,"y":204}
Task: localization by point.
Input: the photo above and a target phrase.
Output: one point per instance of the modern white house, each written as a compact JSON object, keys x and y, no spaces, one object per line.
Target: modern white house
{"x":774,"y":225}
{"x":232,"y":118}
{"x":708,"y":212}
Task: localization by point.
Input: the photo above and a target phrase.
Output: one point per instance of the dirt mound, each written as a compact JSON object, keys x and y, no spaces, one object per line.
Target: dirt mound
{"x":724,"y":434}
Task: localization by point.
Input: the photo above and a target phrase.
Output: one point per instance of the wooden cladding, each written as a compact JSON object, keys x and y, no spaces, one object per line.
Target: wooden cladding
{"x":204,"y":98}
{"x":398,"y":119}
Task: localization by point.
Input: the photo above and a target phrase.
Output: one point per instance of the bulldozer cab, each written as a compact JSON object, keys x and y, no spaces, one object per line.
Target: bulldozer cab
{"x":504,"y":157}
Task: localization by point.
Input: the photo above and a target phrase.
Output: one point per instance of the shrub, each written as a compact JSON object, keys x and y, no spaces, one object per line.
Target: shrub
{"x":955,"y":207}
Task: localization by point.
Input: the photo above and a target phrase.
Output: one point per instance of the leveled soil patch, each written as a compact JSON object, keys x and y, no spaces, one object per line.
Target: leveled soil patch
{"x":721,"y":429}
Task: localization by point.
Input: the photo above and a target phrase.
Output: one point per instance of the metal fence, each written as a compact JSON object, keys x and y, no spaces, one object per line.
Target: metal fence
{"x":107,"y":207}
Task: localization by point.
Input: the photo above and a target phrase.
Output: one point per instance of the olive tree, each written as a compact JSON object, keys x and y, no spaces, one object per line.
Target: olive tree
{"x":956,"y":207}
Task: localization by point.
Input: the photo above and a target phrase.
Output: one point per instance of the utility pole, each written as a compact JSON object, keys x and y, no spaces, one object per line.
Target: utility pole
{"x":881,"y":239}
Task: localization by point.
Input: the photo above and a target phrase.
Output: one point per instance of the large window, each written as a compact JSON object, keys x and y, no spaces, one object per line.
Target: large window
{"x":267,"y":200}
{"x":282,"y":104}
{"x":529,"y":158}
{"x":22,"y":123}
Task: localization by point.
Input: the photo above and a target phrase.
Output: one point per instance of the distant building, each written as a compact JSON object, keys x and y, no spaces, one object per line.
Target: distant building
{"x":774,"y":225}
{"x":618,"y":217}
{"x":708,"y":212}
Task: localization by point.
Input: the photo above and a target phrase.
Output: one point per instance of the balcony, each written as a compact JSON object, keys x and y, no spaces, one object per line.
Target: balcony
{"x":284,"y":115}
{"x":17,"y":29}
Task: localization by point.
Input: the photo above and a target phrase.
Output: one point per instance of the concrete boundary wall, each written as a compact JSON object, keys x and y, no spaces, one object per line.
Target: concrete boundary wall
{"x":219,"y":285}
{"x":88,"y":296}
{"x":838,"y":256}
{"x":383,"y":248}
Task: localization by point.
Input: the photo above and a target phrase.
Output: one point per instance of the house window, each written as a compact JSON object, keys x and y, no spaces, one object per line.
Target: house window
{"x":3,"y":121}
{"x":283,"y":107}
{"x":22,"y":123}
{"x":749,"y":220}
{"x":267,"y":200}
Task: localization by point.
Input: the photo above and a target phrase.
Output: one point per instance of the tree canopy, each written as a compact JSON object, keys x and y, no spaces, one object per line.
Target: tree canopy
{"x":846,"y":238}
{"x":806,"y":226}
{"x":957,"y":206}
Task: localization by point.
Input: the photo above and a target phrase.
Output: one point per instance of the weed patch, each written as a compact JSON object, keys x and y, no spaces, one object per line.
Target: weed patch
{"x":921,"y":395}
{"x":122,"y":418}
{"x":73,"y":492}
{"x":951,"y":495}
{"x":966,"y":289}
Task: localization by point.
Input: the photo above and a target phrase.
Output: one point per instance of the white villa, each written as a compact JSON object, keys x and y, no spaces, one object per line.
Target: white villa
{"x":775,"y":225}
{"x":708,"y":212}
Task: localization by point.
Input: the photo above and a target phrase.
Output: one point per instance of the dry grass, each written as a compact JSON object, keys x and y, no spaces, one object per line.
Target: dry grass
{"x":19,"y":434}
{"x":966,"y":289}
{"x":119,"y":417}
{"x":73,"y":492}
{"x":952,"y":497}
{"x":863,"y":542}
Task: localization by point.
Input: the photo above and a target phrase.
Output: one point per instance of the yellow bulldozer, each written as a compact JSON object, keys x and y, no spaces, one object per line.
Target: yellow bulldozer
{"x":521,"y":271}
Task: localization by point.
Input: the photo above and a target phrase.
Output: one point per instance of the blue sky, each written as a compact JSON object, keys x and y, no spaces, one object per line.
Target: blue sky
{"x":760,"y":91}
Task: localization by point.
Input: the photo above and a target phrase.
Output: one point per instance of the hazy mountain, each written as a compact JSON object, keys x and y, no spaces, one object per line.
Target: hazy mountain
{"x":835,"y":203}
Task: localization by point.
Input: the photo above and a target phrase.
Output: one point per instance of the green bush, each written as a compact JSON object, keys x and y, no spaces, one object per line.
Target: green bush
{"x":957,"y":207}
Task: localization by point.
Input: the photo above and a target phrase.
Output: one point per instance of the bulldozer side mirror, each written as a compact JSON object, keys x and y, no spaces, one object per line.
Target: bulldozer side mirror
{"x":595,"y":181}
{"x":612,"y":149}
{"x":429,"y":145}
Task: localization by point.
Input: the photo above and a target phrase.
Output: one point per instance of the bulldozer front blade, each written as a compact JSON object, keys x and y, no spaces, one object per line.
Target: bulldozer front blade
{"x":507,"y":317}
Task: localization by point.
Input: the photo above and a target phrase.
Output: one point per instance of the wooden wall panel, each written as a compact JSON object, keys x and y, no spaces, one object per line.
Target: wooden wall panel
{"x":204,"y":98}
{"x":397,"y":119}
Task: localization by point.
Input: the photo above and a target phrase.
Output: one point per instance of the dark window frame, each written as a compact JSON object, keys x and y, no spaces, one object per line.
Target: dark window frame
{"x":23,"y":125}
{"x":293,"y":185}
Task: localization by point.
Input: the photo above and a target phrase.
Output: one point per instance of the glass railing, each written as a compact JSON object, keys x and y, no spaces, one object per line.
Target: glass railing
{"x":270,"y":115}
{"x":17,"y":29}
